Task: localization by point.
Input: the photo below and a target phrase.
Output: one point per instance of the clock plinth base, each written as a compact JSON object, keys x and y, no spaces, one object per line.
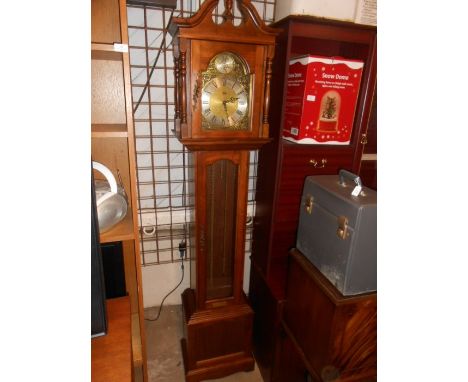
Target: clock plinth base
{"x":217,"y":341}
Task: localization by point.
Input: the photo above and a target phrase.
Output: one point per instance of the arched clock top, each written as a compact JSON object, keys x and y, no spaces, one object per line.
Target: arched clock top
{"x":202,"y":25}
{"x":222,"y":77}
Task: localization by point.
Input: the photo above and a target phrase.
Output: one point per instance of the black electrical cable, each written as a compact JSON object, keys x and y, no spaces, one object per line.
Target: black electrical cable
{"x":182,"y":248}
{"x":153,"y":67}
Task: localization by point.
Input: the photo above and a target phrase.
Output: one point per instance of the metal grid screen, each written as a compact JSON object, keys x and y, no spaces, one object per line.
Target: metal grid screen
{"x":162,"y":171}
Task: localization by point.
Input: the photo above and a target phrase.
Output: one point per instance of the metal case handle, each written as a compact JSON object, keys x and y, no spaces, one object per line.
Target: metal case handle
{"x":349,"y":175}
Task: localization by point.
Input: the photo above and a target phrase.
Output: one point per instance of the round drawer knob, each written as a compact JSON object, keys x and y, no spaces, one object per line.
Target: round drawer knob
{"x":316,"y":164}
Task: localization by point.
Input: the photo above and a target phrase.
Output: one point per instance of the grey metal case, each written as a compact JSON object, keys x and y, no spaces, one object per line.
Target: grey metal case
{"x":337,"y":231}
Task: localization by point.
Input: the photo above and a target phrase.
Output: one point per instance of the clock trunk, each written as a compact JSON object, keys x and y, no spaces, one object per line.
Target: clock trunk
{"x":210,"y":60}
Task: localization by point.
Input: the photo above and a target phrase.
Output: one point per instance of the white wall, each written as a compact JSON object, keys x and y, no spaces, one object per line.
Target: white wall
{"x":158,"y":280}
{"x":346,"y":10}
{"x":335,"y":9}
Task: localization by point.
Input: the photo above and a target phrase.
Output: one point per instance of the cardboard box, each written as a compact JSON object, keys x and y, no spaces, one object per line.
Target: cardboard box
{"x":321,"y":99}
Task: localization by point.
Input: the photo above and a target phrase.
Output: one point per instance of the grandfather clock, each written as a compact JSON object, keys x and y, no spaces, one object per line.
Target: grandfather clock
{"x":222,"y":86}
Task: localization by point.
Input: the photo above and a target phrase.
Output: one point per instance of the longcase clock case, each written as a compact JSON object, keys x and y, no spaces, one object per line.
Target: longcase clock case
{"x":221,"y":113}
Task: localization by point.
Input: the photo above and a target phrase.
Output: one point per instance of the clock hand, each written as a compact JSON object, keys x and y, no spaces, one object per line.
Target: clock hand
{"x":232,"y":99}
{"x":225,"y":107}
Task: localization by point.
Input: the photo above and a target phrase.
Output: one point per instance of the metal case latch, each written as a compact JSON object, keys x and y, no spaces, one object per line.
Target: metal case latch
{"x":309,"y":202}
{"x":342,"y":230}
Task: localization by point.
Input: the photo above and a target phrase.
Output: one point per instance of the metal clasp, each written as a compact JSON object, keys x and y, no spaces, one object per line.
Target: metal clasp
{"x":364,"y":139}
{"x":342,"y":230}
{"x":309,"y":202}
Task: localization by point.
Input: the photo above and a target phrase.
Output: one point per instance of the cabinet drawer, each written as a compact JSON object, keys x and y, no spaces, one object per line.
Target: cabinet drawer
{"x":299,"y":162}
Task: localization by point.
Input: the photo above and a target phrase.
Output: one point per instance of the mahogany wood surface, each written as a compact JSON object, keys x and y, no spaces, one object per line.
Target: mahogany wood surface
{"x":217,"y":341}
{"x":283,"y":165}
{"x":196,"y":41}
{"x":368,"y":170}
{"x":206,"y":237}
{"x":368,"y":173}
{"x":218,"y":320}
{"x":333,"y":334}
{"x":266,"y":324}
{"x":281,"y":173}
{"x":371,"y":146}
{"x":291,"y":366}
{"x":111,"y":354}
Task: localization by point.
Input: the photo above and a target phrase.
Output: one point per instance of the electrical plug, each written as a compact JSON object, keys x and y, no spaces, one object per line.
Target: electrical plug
{"x":182,"y":249}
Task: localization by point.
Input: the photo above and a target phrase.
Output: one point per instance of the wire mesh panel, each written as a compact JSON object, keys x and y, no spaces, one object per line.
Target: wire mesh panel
{"x":162,"y":161}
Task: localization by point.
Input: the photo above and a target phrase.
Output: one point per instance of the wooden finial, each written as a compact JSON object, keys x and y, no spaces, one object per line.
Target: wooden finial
{"x":228,"y":10}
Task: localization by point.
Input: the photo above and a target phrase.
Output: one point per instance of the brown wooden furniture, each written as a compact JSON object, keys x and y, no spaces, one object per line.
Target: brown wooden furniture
{"x":111,"y":354}
{"x":222,"y":82}
{"x":283,"y":166}
{"x":112,"y":144}
{"x":368,"y":170}
{"x":331,"y":336}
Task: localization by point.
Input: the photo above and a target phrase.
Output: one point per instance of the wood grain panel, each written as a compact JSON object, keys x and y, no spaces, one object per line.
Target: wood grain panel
{"x":206,"y":236}
{"x":111,"y":354}
{"x":105,"y":21}
{"x":266,"y":322}
{"x":368,"y":173}
{"x":221,"y":190}
{"x":292,"y":368}
{"x":218,"y":341}
{"x":130,"y":274}
{"x":333,"y":333}
{"x":107,"y":93}
{"x":371,"y":146}
{"x":269,"y":162}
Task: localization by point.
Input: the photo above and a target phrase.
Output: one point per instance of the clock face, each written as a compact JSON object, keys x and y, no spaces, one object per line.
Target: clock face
{"x":224,"y":102}
{"x":225,"y":94}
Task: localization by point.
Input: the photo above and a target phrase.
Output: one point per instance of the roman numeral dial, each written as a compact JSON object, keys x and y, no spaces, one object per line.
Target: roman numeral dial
{"x":225,"y":95}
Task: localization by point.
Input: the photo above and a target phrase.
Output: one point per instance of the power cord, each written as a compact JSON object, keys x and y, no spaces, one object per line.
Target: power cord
{"x":145,"y":88}
{"x":182,"y":249}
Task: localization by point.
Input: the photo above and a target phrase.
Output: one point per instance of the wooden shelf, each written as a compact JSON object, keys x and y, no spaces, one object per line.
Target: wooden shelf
{"x":111,"y":353}
{"x":136,"y":341}
{"x":113,"y":145}
{"x":111,"y":130}
{"x":105,"y":52}
{"x":122,"y":231}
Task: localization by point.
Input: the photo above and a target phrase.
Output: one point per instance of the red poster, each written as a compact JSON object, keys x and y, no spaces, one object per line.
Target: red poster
{"x":321,"y":99}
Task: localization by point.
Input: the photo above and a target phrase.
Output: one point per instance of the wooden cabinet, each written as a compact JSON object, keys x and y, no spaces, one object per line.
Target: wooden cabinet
{"x":368,"y":170}
{"x":334,"y":337}
{"x":112,"y":144}
{"x":283,"y":165}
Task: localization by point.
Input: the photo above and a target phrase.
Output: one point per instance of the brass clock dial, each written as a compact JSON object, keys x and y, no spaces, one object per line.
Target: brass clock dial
{"x":224,"y":63}
{"x":224,"y":102}
{"x":225,"y":95}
